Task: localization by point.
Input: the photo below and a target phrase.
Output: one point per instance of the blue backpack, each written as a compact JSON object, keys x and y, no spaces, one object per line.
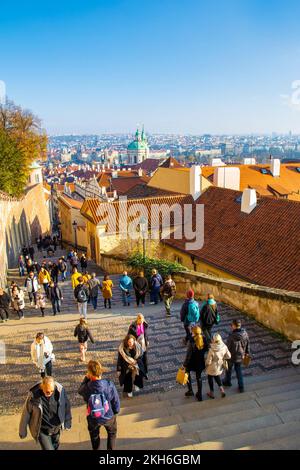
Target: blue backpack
{"x":98,"y":407}
{"x":193,"y":312}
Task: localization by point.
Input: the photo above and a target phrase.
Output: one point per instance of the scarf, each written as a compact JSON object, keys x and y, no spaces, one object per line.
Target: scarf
{"x":132,"y":367}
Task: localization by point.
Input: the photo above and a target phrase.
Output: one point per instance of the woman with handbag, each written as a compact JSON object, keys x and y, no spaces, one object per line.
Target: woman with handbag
{"x":216,"y":361}
{"x":195,"y":361}
{"x":130,"y":366}
{"x":42,"y":354}
{"x":139,"y":329}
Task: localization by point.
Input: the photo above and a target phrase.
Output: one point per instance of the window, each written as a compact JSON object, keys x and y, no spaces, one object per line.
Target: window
{"x":178,"y":259}
{"x":298,"y":169}
{"x":264,"y":171}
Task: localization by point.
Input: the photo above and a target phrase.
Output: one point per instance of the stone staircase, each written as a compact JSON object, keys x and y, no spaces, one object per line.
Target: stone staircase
{"x":266,"y":416}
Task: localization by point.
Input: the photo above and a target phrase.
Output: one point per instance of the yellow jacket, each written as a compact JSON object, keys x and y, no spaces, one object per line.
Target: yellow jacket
{"x":74,"y":279}
{"x":107,"y":289}
{"x":44,"y":277}
{"x":86,"y":278}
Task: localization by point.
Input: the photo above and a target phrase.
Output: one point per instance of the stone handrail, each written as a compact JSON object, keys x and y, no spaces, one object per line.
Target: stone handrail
{"x":275,"y":308}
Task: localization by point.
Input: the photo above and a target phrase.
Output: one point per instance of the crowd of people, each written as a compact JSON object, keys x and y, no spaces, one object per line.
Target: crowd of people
{"x":47,"y":409}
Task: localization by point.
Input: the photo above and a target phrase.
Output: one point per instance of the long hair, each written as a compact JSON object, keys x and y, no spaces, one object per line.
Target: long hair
{"x":198,"y":337}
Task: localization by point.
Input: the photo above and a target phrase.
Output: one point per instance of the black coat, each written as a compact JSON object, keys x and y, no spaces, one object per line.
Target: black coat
{"x":208,"y":316}
{"x":4,"y":300}
{"x":55,"y":293}
{"x":140,"y":284}
{"x":122,"y":366}
{"x":83,"y":334}
{"x":195,"y":358}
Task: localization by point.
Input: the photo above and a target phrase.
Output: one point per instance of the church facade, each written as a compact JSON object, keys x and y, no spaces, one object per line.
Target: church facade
{"x":138,"y":149}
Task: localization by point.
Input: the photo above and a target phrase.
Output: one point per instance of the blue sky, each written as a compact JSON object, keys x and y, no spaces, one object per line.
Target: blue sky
{"x":178,"y":66}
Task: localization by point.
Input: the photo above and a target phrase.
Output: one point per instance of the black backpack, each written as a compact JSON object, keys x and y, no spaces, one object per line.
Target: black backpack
{"x":82,"y":295}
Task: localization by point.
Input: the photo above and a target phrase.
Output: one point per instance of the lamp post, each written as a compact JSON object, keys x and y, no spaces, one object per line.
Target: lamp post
{"x":143,"y":228}
{"x":75,"y":230}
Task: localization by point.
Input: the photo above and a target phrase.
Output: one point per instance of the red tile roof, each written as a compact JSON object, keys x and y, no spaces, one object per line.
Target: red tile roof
{"x":143,"y":190}
{"x":97,"y":211}
{"x":261,"y":247}
{"x":170,"y":163}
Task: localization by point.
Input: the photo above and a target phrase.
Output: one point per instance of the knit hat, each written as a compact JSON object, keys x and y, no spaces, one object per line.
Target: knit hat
{"x":190,"y":294}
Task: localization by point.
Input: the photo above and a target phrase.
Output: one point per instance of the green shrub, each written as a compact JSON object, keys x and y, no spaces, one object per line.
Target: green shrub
{"x":138,"y":263}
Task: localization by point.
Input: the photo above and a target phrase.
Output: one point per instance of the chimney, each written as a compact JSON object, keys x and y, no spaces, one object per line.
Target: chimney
{"x":227,"y":177}
{"x":103,"y":190}
{"x":140,"y":172}
{"x":249,"y":200}
{"x":103,"y":166}
{"x":249,"y":161}
{"x":195,"y":181}
{"x":114,"y":174}
{"x":275,"y":167}
{"x":115,"y":194}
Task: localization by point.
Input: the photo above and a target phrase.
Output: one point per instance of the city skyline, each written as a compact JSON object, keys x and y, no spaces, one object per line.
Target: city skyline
{"x":222,"y":69}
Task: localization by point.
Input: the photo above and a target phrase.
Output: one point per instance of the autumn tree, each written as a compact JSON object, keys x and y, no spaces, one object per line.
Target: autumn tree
{"x":22,"y":142}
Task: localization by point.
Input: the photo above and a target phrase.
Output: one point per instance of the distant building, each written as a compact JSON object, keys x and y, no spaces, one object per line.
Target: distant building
{"x":138,"y":149}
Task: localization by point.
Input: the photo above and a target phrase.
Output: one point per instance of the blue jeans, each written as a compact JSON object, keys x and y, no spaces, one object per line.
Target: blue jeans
{"x":238,"y":371}
{"x":154,"y":294}
{"x":94,"y":301}
{"x":63,"y":276}
{"x":126,"y":298}
{"x":82,"y":309}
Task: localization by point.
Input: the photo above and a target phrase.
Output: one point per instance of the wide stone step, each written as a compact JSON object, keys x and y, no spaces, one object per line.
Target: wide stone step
{"x":236,"y":441}
{"x":285,"y":443}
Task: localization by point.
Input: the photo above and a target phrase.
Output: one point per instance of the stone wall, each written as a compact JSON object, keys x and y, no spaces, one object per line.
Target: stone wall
{"x":21,"y":221}
{"x":276,"y":309}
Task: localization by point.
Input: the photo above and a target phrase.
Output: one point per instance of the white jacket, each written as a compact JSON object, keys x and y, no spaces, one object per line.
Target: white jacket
{"x":38,"y":352}
{"x":215,"y":357}
{"x":28,"y":284}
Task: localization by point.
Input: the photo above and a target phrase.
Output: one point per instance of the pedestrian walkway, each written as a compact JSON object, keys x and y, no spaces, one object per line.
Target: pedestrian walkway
{"x":270,"y":353}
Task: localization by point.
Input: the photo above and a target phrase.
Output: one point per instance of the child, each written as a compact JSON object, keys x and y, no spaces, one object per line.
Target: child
{"x":41,"y":300}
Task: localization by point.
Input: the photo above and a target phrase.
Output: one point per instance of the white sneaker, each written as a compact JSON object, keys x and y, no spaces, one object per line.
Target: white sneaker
{"x":36,"y":307}
{"x":136,"y":388}
{"x":31,"y":304}
{"x":130,"y":395}
{"x":152,"y":303}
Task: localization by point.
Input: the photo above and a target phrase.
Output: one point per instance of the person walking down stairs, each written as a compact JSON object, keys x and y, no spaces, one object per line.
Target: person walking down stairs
{"x":103,"y":405}
{"x":130,"y":365}
{"x":239,"y":346}
{"x":55,"y":297}
{"x":47,"y":411}
{"x":17,"y":298}
{"x":189,"y":314}
{"x":41,"y":301}
{"x":94,"y":286}
{"x":81,"y":294}
{"x":195,"y":360}
{"x":126,"y":286}
{"x":139,"y":329}
{"x":216,"y":361}
{"x":168,"y":292}
{"x":83,"y":333}
{"x":42,"y":354}
{"x":209,"y":316}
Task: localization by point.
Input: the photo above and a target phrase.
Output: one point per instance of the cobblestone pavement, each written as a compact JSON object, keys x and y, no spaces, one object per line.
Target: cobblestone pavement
{"x":166,"y":352}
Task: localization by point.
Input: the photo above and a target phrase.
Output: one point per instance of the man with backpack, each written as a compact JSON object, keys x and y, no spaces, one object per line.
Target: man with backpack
{"x":81,"y":294}
{"x":103,"y":404}
{"x":239,"y":346}
{"x":209,"y":317}
{"x":189,"y":314}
